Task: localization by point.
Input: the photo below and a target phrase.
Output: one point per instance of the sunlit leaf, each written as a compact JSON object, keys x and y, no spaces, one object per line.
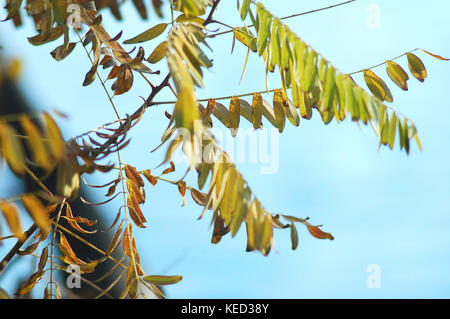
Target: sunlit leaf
{"x":148,"y":35}
{"x":37,"y":211}
{"x":318,"y":233}
{"x":12,"y":217}
{"x":416,"y":67}
{"x":158,"y":53}
{"x":397,"y":74}
{"x":377,"y":86}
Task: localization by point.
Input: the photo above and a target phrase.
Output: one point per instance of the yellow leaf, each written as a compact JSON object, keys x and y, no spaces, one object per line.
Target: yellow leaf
{"x":162,"y":280}
{"x":436,"y":56}
{"x":377,"y":86}
{"x":235,"y":115}
{"x":397,"y":74}
{"x":37,"y":211}
{"x":148,"y":35}
{"x":36,"y":144}
{"x":11,"y":148}
{"x":54,"y":135}
{"x":158,"y":53}
{"x":279,"y":110}
{"x":416,"y":67}
{"x":67,"y":251}
{"x":30,"y":283}
{"x":11,"y":214}
{"x":115,"y":240}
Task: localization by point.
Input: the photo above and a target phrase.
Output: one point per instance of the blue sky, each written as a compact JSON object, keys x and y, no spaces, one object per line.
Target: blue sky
{"x":383,"y":207}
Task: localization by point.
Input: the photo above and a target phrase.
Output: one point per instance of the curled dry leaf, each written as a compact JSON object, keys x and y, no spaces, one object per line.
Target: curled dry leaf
{"x":69,"y":255}
{"x":62,"y":51}
{"x":318,"y":233}
{"x":182,"y":190}
{"x":152,"y":179}
{"x":170,"y":169}
{"x":74,"y":221}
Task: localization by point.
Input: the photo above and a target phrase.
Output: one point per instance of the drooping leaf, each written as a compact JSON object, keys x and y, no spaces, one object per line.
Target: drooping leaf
{"x":294,"y":236}
{"x":11,"y":214}
{"x":436,"y":56}
{"x":257,"y":110}
{"x":37,"y":211}
{"x":397,"y":74}
{"x":11,"y":148}
{"x":377,"y":86}
{"x":36,"y":144}
{"x":416,"y":67}
{"x":53,"y":134}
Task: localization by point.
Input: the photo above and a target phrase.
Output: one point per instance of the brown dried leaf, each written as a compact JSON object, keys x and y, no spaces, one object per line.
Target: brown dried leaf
{"x":170,"y":169}
{"x":182,"y":190}
{"x":115,"y":240}
{"x":135,"y":211}
{"x":152,"y":179}
{"x":318,"y":233}
{"x":134,"y":175}
{"x":67,"y":251}
{"x":73,"y":221}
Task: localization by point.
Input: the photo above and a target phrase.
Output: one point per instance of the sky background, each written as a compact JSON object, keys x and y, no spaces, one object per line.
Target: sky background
{"x":382,"y":207}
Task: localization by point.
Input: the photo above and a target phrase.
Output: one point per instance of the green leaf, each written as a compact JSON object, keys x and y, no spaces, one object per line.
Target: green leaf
{"x":265,"y":21}
{"x":329,"y":88}
{"x":392,"y":130}
{"x":148,"y":35}
{"x":162,"y":280}
{"x":247,"y":38}
{"x":310,"y":71}
{"x":244,"y":9}
{"x":275,"y":42}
